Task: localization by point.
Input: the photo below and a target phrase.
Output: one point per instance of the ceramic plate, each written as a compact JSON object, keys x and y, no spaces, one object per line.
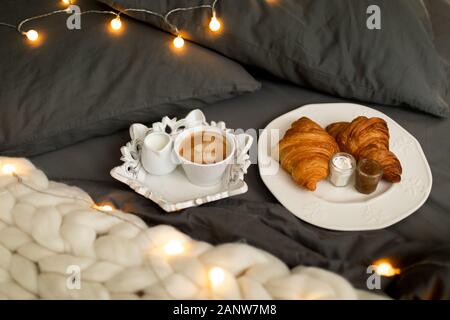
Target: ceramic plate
{"x":344,"y":208}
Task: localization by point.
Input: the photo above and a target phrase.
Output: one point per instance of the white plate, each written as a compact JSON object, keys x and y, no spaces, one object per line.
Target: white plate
{"x":174,"y":192}
{"x":344,"y":208}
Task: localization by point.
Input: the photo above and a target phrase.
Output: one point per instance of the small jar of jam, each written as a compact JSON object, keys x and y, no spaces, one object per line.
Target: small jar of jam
{"x":342,"y":166}
{"x":368,"y":175}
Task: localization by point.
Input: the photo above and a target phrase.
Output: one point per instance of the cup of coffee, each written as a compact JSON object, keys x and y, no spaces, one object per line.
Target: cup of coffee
{"x":205,"y":153}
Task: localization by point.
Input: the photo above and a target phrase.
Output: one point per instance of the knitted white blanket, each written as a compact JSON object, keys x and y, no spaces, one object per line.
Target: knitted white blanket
{"x":55,"y":245}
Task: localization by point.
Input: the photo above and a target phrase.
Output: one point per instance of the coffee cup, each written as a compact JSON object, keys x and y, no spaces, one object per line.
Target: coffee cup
{"x":205,"y":171}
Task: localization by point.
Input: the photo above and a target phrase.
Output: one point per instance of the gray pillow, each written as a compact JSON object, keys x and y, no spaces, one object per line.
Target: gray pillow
{"x":78,"y":84}
{"x":324,"y":44}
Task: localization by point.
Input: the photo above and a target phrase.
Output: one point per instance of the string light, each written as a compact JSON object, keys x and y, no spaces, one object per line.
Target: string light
{"x":103,"y":207}
{"x":384,"y":268}
{"x":32,"y":35}
{"x":178,"y":42}
{"x":8,"y":169}
{"x":173,"y":248}
{"x":116,"y":24}
{"x":216,"y":276}
{"x":215,"y":24}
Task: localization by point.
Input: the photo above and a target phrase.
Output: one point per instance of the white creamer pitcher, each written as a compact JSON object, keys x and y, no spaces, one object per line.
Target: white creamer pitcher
{"x":157,"y":154}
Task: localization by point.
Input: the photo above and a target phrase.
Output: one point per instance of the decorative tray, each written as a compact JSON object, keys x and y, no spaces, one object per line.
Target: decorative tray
{"x":174,"y":192}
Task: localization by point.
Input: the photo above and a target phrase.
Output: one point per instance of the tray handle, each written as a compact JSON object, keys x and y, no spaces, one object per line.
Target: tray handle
{"x":242,"y":161}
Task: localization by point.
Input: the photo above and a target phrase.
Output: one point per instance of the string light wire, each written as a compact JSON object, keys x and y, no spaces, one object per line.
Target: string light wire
{"x":19,"y":26}
{"x":8,"y":25}
{"x":164,"y":17}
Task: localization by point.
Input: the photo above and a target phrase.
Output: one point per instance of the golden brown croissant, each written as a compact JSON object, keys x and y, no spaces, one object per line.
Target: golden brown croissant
{"x":368,"y":138}
{"x":305,"y":152}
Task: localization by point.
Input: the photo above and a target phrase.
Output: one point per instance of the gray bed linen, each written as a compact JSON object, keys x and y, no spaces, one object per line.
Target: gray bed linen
{"x":257,"y":218}
{"x":420,"y":244}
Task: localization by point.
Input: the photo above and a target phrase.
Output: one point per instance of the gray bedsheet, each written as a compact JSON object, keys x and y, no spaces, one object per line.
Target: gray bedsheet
{"x":420,"y":244}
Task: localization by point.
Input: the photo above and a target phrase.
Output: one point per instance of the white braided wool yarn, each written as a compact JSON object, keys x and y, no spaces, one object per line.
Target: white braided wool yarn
{"x":43,"y":235}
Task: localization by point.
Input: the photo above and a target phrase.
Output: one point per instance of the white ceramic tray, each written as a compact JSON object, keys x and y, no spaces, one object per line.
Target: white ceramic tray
{"x":174,"y":192}
{"x":344,"y":208}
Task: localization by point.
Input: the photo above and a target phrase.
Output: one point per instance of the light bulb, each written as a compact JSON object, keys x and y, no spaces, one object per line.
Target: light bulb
{"x":214,"y":25}
{"x":178,"y":42}
{"x":173,"y":247}
{"x":8,"y":169}
{"x":384,"y":268}
{"x":216,"y":276}
{"x":103,"y":207}
{"x":32,"y":35}
{"x":116,"y":24}
{"x":66,"y":1}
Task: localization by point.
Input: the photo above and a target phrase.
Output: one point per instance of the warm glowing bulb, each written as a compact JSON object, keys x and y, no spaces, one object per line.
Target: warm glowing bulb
{"x":116,"y":24}
{"x":32,"y":35}
{"x":214,"y":25}
{"x":178,"y":42}
{"x":8,"y":169}
{"x":385,"y":269}
{"x":216,"y":276}
{"x":104,"y":207}
{"x":66,"y":1}
{"x":173,"y":247}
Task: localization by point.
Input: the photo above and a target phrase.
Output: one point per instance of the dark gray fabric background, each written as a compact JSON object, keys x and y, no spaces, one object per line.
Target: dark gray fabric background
{"x":324,"y":44}
{"x":420,"y":244}
{"x":91,"y":82}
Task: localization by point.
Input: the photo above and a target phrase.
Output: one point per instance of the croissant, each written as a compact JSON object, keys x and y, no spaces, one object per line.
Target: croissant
{"x":305,"y":152}
{"x":368,"y":138}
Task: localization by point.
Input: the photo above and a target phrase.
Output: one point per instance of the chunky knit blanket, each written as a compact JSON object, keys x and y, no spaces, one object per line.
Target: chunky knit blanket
{"x":56,"y":244}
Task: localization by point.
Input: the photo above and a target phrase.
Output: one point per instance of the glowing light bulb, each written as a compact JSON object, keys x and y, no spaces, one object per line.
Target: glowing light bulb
{"x":216,"y":276}
{"x":178,"y":42}
{"x":103,"y":207}
{"x":66,"y":1}
{"x":214,"y":25}
{"x":8,"y":169}
{"x":116,"y":24}
{"x":32,"y":35}
{"x":173,"y":247}
{"x":385,"y":269}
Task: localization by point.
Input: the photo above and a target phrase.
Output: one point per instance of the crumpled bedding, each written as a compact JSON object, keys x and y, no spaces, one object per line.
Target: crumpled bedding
{"x":55,"y":243}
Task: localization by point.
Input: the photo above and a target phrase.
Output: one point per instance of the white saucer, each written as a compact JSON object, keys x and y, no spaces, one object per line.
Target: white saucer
{"x":344,"y":208}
